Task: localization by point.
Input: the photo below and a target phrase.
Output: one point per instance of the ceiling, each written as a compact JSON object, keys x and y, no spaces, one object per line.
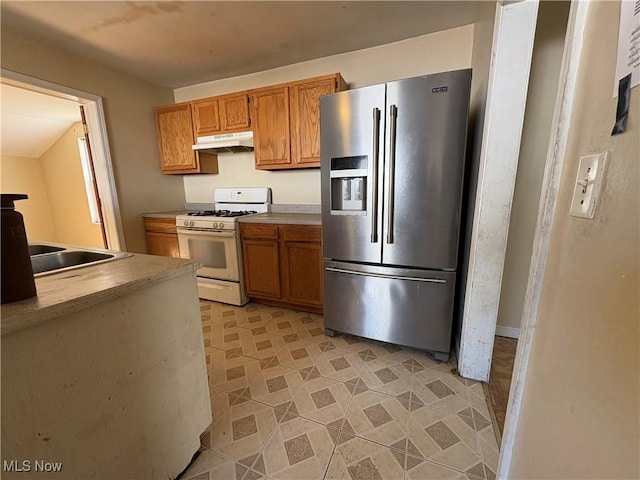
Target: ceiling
{"x":179,"y":43}
{"x":31,"y":122}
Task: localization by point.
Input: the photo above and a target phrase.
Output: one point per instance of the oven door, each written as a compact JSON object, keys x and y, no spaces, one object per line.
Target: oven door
{"x":218,"y":252}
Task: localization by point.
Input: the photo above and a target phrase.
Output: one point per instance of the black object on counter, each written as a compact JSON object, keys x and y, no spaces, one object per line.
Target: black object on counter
{"x":17,"y":274}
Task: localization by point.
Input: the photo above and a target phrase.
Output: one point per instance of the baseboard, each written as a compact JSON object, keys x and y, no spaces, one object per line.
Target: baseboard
{"x":510,"y":332}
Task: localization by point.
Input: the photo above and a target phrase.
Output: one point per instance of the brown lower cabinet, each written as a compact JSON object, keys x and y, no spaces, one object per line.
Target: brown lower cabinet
{"x":162,"y":236}
{"x":283,"y":264}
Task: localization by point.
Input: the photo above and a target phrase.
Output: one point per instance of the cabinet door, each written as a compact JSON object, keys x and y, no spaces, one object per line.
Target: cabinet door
{"x":261,"y":268}
{"x":305,"y":120}
{"x":270,"y":115}
{"x":162,"y":237}
{"x":206,"y":117}
{"x":175,"y":138}
{"x":303,"y":273}
{"x":302,"y":264}
{"x":234,"y":112}
{"x":165,"y":244}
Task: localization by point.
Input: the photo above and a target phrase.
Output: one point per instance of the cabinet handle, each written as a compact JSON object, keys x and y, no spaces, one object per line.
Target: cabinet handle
{"x":374,"y":175}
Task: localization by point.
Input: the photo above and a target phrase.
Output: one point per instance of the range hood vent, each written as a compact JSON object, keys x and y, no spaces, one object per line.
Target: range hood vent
{"x":225,"y":143}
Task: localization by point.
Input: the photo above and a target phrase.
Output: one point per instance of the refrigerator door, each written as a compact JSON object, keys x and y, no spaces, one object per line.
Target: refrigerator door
{"x":351,"y":137}
{"x":404,"y":306}
{"x":425,"y":153}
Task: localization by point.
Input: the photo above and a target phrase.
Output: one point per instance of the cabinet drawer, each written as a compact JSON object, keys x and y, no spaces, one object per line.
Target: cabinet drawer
{"x":256,"y":230}
{"x":302,"y":233}
{"x":161,"y":225}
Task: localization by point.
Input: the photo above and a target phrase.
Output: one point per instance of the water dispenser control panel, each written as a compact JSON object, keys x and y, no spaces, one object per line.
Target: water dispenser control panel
{"x":349,"y":185}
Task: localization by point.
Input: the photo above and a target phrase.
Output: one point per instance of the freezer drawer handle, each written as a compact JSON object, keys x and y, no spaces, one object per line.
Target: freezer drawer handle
{"x":374,"y":175}
{"x":391,"y":277}
{"x":393,"y":114}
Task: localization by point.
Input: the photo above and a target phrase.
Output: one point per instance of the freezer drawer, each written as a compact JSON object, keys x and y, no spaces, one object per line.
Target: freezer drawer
{"x":404,"y":306}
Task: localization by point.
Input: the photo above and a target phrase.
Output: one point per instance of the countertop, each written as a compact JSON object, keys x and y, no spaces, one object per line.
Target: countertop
{"x":287,"y":218}
{"x":170,"y":214}
{"x":66,"y":292}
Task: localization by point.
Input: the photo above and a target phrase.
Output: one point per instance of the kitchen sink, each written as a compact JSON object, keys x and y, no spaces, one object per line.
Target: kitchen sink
{"x":39,"y":249}
{"x":53,"y":258}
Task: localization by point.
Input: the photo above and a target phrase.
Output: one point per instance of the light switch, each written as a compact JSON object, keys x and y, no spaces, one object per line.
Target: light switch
{"x":586,"y":191}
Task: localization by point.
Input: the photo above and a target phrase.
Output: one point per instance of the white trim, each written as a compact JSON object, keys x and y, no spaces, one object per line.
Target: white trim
{"x":512,"y":50}
{"x":509,"y":332}
{"x":549,"y":195}
{"x":99,"y":146}
{"x":48,"y":88}
{"x":104,"y":175}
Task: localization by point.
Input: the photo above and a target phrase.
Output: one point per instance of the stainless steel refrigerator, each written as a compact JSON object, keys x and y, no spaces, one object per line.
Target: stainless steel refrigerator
{"x":392,"y":168}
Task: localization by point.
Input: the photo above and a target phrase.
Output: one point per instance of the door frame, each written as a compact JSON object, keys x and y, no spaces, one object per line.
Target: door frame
{"x":511,"y":54}
{"x":560,"y":129}
{"x":99,"y":146}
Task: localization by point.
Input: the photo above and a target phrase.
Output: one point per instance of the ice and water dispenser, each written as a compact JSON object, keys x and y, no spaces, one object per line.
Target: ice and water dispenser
{"x":349,"y":185}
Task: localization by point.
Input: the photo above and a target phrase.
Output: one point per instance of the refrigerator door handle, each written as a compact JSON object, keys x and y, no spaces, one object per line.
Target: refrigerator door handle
{"x":374,"y":175}
{"x":380,"y":275}
{"x":393,"y":114}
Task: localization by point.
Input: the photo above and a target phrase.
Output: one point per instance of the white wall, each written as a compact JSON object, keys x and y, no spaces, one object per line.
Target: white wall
{"x":57,"y":209}
{"x":543,"y":87}
{"x":64,"y":181}
{"x":436,"y":52}
{"x":128,"y":106}
{"x":579,"y":416}
{"x":24,"y":175}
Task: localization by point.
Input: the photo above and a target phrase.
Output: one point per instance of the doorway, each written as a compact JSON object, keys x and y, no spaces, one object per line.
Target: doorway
{"x":98,"y":153}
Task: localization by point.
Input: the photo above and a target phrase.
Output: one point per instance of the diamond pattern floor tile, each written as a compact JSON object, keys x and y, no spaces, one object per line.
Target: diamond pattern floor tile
{"x":323,"y":400}
{"x":444,"y":438}
{"x":330,"y":361}
{"x":244,"y":430}
{"x":290,"y":402}
{"x":441,"y":389}
{"x":377,"y":417}
{"x":299,"y":449}
{"x":391,"y":378}
{"x":359,"y":459}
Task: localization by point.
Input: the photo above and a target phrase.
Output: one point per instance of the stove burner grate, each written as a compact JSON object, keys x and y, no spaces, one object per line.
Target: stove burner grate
{"x":221,"y":213}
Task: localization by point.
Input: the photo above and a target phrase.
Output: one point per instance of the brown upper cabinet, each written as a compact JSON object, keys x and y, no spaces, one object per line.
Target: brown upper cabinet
{"x":175,"y":131}
{"x":286,"y":122}
{"x":223,"y":114}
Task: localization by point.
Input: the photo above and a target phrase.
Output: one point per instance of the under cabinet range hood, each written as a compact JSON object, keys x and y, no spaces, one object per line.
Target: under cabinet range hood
{"x":226,"y":142}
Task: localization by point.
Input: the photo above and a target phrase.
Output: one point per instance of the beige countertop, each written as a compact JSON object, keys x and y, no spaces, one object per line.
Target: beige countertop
{"x":170,"y":214}
{"x":289,"y":218}
{"x":66,"y":292}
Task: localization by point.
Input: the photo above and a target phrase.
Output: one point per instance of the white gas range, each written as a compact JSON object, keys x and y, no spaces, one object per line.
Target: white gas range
{"x":212,"y":237}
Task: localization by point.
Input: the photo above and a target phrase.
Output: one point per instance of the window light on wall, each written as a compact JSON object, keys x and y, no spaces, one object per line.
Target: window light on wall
{"x":88,"y":180}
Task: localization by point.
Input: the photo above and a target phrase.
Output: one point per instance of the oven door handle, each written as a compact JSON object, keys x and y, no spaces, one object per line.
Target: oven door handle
{"x":205,"y":231}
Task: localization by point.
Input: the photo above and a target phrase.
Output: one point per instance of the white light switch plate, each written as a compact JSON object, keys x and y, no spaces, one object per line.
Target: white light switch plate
{"x":589,"y":180}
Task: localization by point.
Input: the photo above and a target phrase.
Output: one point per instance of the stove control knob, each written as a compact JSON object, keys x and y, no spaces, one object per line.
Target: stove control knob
{"x":191,"y":223}
{"x":186,"y":223}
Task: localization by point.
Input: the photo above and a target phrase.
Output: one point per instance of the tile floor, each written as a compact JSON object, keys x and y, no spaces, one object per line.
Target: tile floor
{"x":290,"y":403}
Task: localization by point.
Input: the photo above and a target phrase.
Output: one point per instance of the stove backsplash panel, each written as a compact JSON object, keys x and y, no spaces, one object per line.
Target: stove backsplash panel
{"x":238,"y":169}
